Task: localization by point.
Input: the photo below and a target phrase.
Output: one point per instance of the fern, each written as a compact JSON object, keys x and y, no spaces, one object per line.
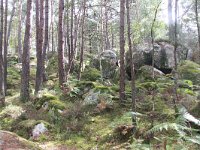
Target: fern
{"x":170,"y":126}
{"x":188,"y":117}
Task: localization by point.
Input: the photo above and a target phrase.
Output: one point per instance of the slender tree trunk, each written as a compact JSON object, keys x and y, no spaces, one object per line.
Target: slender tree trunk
{"x":25,"y":76}
{"x":61,"y":69}
{"x":72,"y":46}
{"x":46,"y":38}
{"x":82,"y":41}
{"x":133,"y":91}
{"x":2,"y":90}
{"x":170,"y":21}
{"x":198,"y":27}
{"x":20,"y":32}
{"x":52,"y":28}
{"x":67,"y":28}
{"x":122,"y":51}
{"x":5,"y":46}
{"x":106,"y":26}
{"x":10,"y":22}
{"x":175,"y":97}
{"x":39,"y":36}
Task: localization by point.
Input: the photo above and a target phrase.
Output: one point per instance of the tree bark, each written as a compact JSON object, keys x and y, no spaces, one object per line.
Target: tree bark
{"x":25,"y":76}
{"x":39,"y":39}
{"x":2,"y":90}
{"x":133,"y":90}
{"x":5,"y":46}
{"x":170,"y":21}
{"x":122,"y":51}
{"x":175,"y":74}
{"x":46,"y":38}
{"x":11,"y":20}
{"x":19,"y":32}
{"x":82,"y":40}
{"x":61,"y":69}
{"x":198,"y":27}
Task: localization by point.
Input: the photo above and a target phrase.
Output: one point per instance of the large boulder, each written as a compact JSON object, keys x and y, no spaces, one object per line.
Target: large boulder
{"x":163,"y":56}
{"x":107,"y":63}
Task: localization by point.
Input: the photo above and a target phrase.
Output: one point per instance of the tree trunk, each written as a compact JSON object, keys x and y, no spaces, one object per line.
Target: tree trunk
{"x":25,"y":76}
{"x":61,"y":69}
{"x":198,"y":27}
{"x":170,"y":21}
{"x":2,"y":90}
{"x":82,"y":40}
{"x":52,"y":28}
{"x":133,"y":92}
{"x":122,"y":51}
{"x":10,"y":22}
{"x":39,"y":42}
{"x":72,"y":46}
{"x":46,"y":38}
{"x":175,"y":74}
{"x":20,"y":32}
{"x":5,"y":46}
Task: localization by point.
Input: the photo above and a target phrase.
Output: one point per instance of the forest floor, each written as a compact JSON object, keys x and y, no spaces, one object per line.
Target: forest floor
{"x":75,"y":121}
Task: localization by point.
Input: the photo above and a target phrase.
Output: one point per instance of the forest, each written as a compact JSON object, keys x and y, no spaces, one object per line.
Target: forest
{"x":99,"y":75}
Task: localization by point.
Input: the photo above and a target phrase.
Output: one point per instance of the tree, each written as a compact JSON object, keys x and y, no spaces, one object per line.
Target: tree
{"x":170,"y":21}
{"x":11,"y":20}
{"x":122,"y":51}
{"x":46,"y":37}
{"x":20,"y":31}
{"x":197,"y":23}
{"x":5,"y":45}
{"x":2,"y":91}
{"x":25,"y":76}
{"x":82,"y":40}
{"x":61,"y":70}
{"x":39,"y":44}
{"x":133,"y":92}
{"x":175,"y":74}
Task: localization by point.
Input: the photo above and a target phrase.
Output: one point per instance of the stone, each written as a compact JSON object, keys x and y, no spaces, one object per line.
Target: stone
{"x":108,"y":60}
{"x":163,"y":56}
{"x":38,"y":130}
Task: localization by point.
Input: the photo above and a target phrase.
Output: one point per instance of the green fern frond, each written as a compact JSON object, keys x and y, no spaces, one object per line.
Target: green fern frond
{"x":188,"y":117}
{"x":169,"y":126}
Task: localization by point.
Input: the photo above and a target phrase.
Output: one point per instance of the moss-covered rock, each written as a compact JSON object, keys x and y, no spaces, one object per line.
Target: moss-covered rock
{"x":91,"y":74}
{"x":145,"y":73}
{"x":189,"y":70}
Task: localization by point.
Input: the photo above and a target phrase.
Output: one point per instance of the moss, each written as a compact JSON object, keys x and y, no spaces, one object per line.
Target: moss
{"x":91,"y":74}
{"x":148,"y":86}
{"x":57,"y":104}
{"x":102,"y":89}
{"x":189,"y":70}
{"x":43,"y":99}
{"x":52,"y":64}
{"x":6,"y":123}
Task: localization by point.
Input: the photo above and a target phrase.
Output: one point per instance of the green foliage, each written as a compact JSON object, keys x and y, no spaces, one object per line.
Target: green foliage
{"x":91,"y":74}
{"x":43,"y":99}
{"x":57,"y":104}
{"x":13,"y":79}
{"x":189,"y":70}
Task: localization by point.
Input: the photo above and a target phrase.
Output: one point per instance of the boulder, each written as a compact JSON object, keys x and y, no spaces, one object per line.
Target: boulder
{"x":163,"y":56}
{"x":145,"y":72}
{"x":38,"y":130}
{"x":107,"y":63}
{"x":11,"y":141}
